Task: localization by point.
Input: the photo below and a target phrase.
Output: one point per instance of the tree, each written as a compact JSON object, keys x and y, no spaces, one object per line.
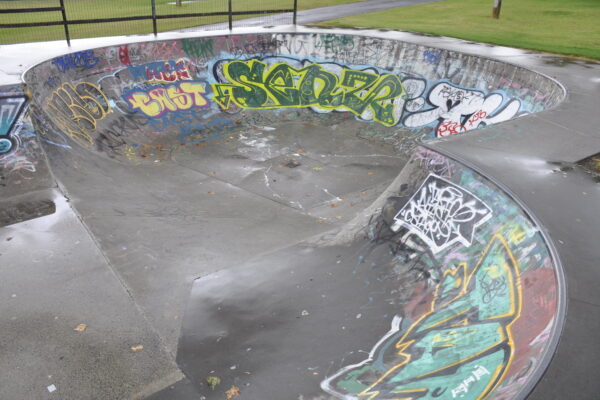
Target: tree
{"x":495,"y":10}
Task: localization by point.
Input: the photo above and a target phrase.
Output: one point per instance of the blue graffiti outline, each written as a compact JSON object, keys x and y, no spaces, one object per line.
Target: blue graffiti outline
{"x":7,"y":142}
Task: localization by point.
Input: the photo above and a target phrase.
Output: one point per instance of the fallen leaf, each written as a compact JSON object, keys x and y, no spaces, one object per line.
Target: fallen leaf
{"x":213,"y":381}
{"x":137,"y":348}
{"x":301,"y":151}
{"x":8,"y":239}
{"x":371,"y":172}
{"x":317,"y":168}
{"x":80,"y":328}
{"x":211,"y":192}
{"x":334,"y":204}
{"x":234,"y":391}
{"x":291,"y":164}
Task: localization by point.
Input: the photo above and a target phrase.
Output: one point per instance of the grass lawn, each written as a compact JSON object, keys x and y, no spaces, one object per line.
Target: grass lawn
{"x":569,"y":27}
{"x":90,"y":9}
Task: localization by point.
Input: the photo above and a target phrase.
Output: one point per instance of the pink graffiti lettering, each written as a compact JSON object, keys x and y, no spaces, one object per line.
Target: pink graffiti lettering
{"x":124,"y":55}
{"x":448,"y":128}
{"x":479,"y":115}
{"x":180,"y":73}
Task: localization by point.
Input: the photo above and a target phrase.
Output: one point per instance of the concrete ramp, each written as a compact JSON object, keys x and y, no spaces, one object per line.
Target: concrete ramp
{"x":288,"y":181}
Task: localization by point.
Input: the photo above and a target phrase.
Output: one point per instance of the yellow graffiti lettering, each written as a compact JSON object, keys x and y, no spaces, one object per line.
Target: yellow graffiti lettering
{"x":197,"y":89}
{"x":76,"y":110}
{"x":173,"y":98}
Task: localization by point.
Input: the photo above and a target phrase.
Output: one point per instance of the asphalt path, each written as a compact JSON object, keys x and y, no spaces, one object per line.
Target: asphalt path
{"x":315,"y":14}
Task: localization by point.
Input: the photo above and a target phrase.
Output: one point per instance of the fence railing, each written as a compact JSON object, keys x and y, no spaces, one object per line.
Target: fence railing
{"x":153,"y":15}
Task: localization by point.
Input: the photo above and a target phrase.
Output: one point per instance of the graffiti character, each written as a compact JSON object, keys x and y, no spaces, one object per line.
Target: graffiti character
{"x":458,"y":110}
{"x":459,"y":349}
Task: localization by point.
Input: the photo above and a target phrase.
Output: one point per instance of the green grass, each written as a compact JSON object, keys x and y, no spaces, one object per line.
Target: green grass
{"x":570,"y":27}
{"x":89,"y":9}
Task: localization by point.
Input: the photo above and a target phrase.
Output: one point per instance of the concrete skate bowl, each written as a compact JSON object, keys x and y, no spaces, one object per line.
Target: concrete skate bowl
{"x":338,"y":253}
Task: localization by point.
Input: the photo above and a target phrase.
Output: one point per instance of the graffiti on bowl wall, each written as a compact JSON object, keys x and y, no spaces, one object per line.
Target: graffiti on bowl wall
{"x":255,"y":85}
{"x":11,"y":108}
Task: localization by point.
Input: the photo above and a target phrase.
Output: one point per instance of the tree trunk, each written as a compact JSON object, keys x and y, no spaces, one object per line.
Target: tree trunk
{"x":495,"y":10}
{"x":178,"y":3}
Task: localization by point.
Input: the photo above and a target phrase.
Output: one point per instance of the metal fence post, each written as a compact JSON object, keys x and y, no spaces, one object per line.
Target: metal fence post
{"x":230,"y":16}
{"x":295,"y":10}
{"x":65,"y":23}
{"x":154,"y":17}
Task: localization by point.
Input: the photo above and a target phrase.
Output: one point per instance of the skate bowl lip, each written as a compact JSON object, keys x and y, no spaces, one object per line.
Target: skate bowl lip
{"x":561,"y":306}
{"x":398,"y":35}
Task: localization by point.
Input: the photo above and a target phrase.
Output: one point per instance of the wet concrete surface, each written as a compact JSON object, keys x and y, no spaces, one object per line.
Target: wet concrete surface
{"x":50,"y":285}
{"x":518,"y":153}
{"x":161,"y":233}
{"x":294,"y":313}
{"x":19,"y":210}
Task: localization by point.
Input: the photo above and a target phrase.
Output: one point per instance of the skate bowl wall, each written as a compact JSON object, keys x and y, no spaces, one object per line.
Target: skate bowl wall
{"x":408,"y":93}
{"x":483,"y":318}
{"x":448,"y":291}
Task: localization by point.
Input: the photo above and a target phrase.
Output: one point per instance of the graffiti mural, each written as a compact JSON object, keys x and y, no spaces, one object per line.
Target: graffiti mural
{"x":255,"y":85}
{"x":76,"y":110}
{"x":23,"y":158}
{"x":467,"y":330}
{"x":442,"y":213}
{"x":180,"y":96}
{"x":461,"y":348}
{"x":199,"y":49}
{"x":82,"y":59}
{"x":10,"y":109}
{"x":367,"y":93}
{"x":458,"y":110}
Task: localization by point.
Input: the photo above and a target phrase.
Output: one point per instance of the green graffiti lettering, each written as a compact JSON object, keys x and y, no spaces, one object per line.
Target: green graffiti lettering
{"x":245,"y":89}
{"x":255,"y":85}
{"x":320,"y":87}
{"x":358,"y":83}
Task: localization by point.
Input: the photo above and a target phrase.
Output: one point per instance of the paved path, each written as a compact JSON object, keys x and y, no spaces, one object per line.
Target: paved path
{"x":316,"y":14}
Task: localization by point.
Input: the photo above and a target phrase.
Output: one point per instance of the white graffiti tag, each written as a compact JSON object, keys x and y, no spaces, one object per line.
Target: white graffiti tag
{"x":475,"y":376}
{"x":442,"y":213}
{"x":458,"y":110}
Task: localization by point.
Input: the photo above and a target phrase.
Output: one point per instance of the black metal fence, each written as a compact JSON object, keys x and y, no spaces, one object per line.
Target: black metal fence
{"x":19,"y":18}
